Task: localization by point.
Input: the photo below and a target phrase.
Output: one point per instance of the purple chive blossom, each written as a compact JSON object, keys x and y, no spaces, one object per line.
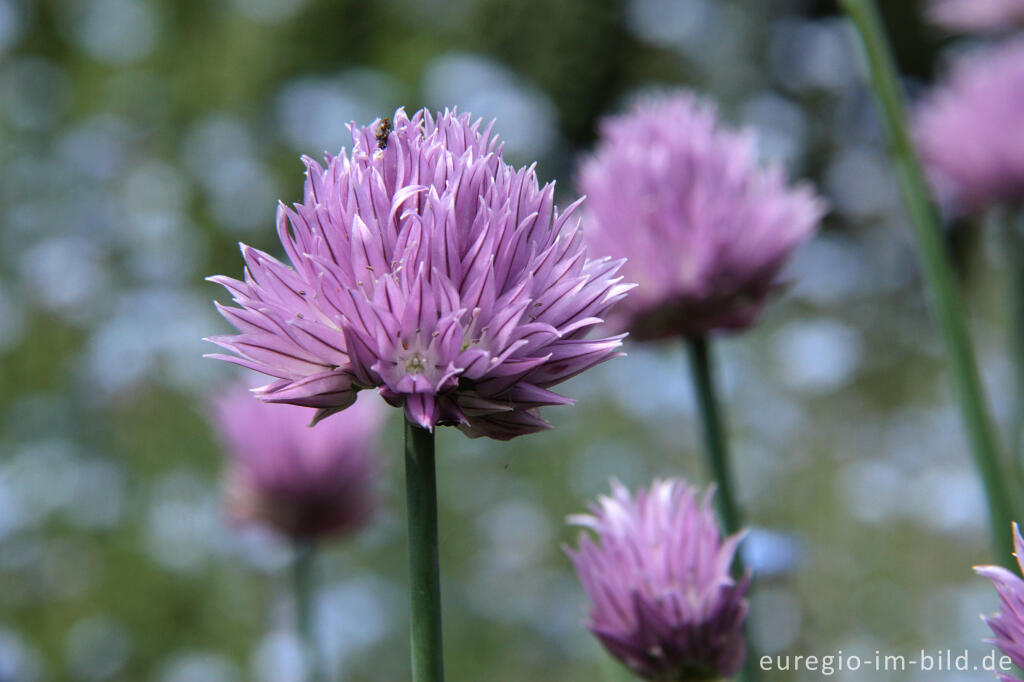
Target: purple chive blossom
{"x":704,"y":227}
{"x":969,"y":129}
{"x":424,"y":265}
{"x":305,"y":483}
{"x":1008,"y":624}
{"x":977,"y":15}
{"x":662,"y":598}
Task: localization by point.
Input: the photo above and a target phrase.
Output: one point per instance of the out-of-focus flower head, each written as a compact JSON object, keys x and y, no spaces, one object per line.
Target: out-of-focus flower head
{"x":969,"y":130}
{"x":304,"y":482}
{"x":662,"y":598}
{"x":1008,"y":624}
{"x":705,"y":228}
{"x":424,"y":265}
{"x":980,"y":16}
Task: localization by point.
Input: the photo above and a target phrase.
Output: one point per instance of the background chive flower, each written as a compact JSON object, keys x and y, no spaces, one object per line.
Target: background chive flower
{"x":424,"y":265}
{"x":1008,"y":624}
{"x":662,"y":598}
{"x":704,"y":227}
{"x":977,"y":15}
{"x":969,"y":131}
{"x":305,"y":483}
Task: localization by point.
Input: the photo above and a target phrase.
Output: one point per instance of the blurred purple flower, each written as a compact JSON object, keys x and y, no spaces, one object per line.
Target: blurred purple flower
{"x":1008,"y":624}
{"x":705,"y":229}
{"x":969,"y":129}
{"x":662,"y":599}
{"x":428,"y":267}
{"x":304,"y":482}
{"x":977,"y":15}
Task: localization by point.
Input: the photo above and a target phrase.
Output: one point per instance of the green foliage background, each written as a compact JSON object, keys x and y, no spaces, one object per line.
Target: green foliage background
{"x":858,"y":482}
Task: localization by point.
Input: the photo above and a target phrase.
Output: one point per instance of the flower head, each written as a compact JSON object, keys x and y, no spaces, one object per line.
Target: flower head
{"x":1008,"y":624}
{"x":301,"y":481}
{"x":424,"y":265}
{"x":705,"y":229}
{"x":969,"y":129}
{"x":977,"y":15}
{"x":662,"y":599}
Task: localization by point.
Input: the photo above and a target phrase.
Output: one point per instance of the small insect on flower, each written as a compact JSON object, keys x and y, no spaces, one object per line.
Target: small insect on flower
{"x":384,"y":129}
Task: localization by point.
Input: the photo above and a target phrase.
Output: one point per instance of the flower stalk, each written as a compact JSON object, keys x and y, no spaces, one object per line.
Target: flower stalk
{"x":1003,"y":221}
{"x":946,"y":301}
{"x":715,"y":440}
{"x":303,"y":588}
{"x":424,"y":571}
{"x":716,"y":448}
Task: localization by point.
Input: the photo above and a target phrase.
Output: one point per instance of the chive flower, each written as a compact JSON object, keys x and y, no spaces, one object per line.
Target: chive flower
{"x":978,"y":16}
{"x":662,"y":598}
{"x":705,"y":228}
{"x":1008,"y":625}
{"x":305,"y":483}
{"x":423,"y":265}
{"x":969,"y":133}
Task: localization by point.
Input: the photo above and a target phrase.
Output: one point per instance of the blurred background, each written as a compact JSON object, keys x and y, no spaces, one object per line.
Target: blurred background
{"x":140,"y":140}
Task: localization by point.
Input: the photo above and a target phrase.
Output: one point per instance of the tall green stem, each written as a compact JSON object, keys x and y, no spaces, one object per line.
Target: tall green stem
{"x":715,"y":441}
{"x":303,"y":588}
{"x":716,"y":447}
{"x":424,"y":573}
{"x":938,"y":273}
{"x":1003,"y":222}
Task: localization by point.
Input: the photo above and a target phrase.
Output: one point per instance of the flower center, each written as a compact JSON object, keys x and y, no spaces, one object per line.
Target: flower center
{"x":415,"y":364}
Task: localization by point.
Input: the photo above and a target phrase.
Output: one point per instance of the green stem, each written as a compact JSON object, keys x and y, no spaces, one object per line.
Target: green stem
{"x":715,"y":442}
{"x":424,"y":573}
{"x":946,"y":301}
{"x":1003,"y":222}
{"x":716,"y":447}
{"x":303,"y":587}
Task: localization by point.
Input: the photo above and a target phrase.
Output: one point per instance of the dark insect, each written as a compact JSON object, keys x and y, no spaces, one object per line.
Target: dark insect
{"x":384,"y":129}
